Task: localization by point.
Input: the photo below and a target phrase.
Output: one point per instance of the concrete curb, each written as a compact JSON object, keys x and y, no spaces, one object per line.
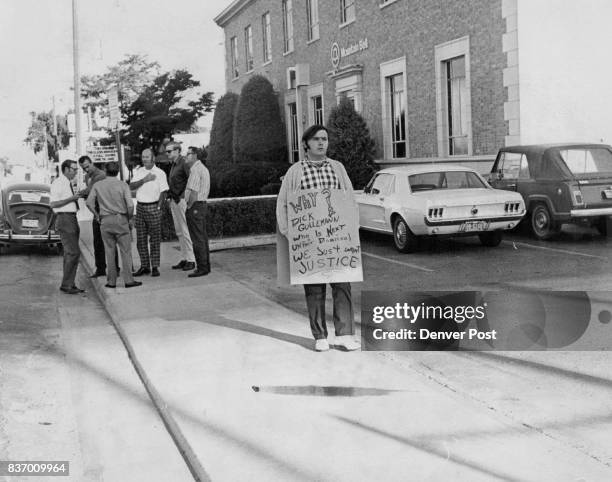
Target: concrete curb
{"x":183,"y":446}
{"x":220,"y":244}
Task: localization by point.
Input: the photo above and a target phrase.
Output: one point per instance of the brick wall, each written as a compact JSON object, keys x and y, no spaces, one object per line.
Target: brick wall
{"x":410,"y":28}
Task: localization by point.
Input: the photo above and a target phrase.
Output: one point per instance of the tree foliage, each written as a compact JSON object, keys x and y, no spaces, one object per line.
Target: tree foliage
{"x":259,"y":134}
{"x":220,"y":149}
{"x":164,"y":108}
{"x":130,"y":75}
{"x":350,"y":142}
{"x":41,"y":126}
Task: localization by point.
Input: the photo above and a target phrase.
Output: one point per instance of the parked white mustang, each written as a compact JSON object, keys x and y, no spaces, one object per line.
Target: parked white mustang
{"x":437,"y":200}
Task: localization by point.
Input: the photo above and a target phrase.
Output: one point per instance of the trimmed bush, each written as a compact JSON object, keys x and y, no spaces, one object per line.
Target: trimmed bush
{"x":350,"y":143}
{"x":259,"y":133}
{"x":220,"y":148}
{"x":240,"y":216}
{"x":247,"y":179}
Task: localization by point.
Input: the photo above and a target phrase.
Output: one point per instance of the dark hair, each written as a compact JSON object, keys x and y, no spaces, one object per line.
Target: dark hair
{"x":310,"y":133}
{"x":112,"y":168}
{"x":82,"y":159}
{"x":66,"y":164}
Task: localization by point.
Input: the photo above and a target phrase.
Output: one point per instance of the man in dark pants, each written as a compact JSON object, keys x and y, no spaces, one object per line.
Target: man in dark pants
{"x":116,"y":220}
{"x":64,"y":203}
{"x":196,"y":194}
{"x":92,"y":176}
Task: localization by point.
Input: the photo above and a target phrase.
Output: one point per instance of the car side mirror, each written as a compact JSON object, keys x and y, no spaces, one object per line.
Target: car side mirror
{"x":366,"y":190}
{"x":499,"y":175}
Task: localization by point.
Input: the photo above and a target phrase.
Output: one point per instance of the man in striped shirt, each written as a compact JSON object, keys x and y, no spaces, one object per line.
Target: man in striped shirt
{"x":196,"y":194}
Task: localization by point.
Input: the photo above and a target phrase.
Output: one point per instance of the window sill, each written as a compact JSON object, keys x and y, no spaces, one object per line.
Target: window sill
{"x":386,"y":4}
{"x":288,"y":52}
{"x":342,"y":25}
{"x":268,"y":62}
{"x":312,"y":41}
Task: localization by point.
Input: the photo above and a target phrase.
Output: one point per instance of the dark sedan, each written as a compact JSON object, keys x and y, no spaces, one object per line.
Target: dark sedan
{"x":26,"y":217}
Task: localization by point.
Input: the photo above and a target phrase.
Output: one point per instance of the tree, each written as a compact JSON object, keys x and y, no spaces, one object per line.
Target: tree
{"x":41,"y":127}
{"x":163,"y":108}
{"x":259,"y":135}
{"x":350,"y":142}
{"x":131,"y":76}
{"x":220,"y":149}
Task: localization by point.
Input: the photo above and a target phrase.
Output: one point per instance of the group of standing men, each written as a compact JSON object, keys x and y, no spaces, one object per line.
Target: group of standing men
{"x":110,"y":200}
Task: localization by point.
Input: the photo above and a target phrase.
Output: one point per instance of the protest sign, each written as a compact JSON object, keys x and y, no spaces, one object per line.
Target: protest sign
{"x":323,"y":237}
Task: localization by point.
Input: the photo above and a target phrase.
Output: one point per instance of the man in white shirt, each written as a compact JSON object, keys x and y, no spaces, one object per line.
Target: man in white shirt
{"x":151,"y":188}
{"x":64,"y":202}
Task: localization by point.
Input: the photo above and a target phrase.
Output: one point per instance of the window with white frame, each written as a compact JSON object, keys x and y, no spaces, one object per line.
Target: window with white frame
{"x":312,"y":14}
{"x":287,"y":25}
{"x":350,"y":87}
{"x":347,"y":11}
{"x":266,"y":31}
{"x":453,"y":98}
{"x":234,"y":53}
{"x":294,"y":142}
{"x":316,"y":103}
{"x":397,"y":114}
{"x":248,"y":47}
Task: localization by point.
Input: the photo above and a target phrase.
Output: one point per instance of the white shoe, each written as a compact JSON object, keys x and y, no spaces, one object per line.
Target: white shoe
{"x":347,"y":342}
{"x":321,"y":345}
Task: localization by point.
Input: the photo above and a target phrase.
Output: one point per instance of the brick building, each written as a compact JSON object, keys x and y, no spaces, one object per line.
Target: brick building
{"x":432,"y":78}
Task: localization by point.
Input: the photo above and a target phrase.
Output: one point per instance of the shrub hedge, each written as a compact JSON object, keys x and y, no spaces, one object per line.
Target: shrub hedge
{"x":241,"y":216}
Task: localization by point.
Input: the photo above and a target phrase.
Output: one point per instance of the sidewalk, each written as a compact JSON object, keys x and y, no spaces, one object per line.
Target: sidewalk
{"x":246,"y":397}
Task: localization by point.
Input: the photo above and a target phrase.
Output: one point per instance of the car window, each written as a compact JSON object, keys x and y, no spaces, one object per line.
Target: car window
{"x":445,"y":180}
{"x":381,"y":184}
{"x":28,"y":196}
{"x":587,"y":160}
{"x":513,"y":165}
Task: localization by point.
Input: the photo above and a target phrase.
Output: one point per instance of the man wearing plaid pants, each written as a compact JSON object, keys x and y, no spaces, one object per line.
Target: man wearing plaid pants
{"x":151,"y":188}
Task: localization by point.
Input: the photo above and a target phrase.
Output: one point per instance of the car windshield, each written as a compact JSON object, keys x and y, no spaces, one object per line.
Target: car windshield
{"x":591,"y":160}
{"x":427,"y":181}
{"x":28,"y":197}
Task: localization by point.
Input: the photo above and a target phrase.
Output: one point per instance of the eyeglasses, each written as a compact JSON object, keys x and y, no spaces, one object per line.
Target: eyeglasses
{"x":169,"y":151}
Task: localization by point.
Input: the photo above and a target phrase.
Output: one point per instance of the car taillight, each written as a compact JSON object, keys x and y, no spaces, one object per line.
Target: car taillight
{"x":435,"y":213}
{"x":577,"y":197}
{"x":512,"y":207}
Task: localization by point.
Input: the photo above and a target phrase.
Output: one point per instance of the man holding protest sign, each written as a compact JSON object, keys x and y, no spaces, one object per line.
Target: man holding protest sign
{"x":317,"y":216}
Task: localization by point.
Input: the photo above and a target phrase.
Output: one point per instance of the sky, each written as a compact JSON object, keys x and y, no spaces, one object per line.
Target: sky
{"x":36,"y":55}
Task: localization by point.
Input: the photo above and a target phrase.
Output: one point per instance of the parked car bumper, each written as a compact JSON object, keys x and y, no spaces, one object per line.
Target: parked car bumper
{"x":586,"y":213}
{"x":471,"y":226}
{"x":8,"y":237}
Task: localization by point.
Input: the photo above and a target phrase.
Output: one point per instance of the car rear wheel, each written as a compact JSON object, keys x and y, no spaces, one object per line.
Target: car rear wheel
{"x":491,"y":239}
{"x":542,"y":224}
{"x":405,"y":241}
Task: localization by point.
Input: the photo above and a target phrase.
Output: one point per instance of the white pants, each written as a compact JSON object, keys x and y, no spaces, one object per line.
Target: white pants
{"x":180,"y":226}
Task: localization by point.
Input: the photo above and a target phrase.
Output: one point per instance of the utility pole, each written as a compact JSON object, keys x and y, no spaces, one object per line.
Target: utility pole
{"x":77,"y":77}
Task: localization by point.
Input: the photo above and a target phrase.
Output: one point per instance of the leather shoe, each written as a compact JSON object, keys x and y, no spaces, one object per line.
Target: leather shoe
{"x":154,"y":272}
{"x":70,"y":291}
{"x":78,"y":289}
{"x":197,"y":273}
{"x":133,"y":283}
{"x":110,"y":286}
{"x":189,"y":265}
{"x":180,"y":264}
{"x":142,"y":270}
{"x":97,"y":274}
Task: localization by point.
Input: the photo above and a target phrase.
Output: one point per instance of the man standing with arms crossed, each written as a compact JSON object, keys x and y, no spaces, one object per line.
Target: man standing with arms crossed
{"x":177,"y":181}
{"x":116,"y":213}
{"x":196,"y":194}
{"x":151,"y":188}
{"x":64,"y":203}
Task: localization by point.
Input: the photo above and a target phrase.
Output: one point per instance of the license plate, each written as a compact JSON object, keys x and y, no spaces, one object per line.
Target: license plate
{"x":29,"y":223}
{"x":607,"y":193}
{"x":470,"y":226}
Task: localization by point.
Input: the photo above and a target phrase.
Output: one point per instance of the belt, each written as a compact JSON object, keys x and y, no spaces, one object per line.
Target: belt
{"x":115,"y":214}
{"x":146,"y":204}
{"x":66,"y":213}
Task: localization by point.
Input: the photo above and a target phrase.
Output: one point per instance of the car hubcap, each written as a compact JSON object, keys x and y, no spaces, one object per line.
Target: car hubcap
{"x":400,"y":234}
{"x":541,"y":220}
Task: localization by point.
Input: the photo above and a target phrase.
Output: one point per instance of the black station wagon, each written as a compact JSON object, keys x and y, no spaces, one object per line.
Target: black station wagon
{"x":560,"y":183}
